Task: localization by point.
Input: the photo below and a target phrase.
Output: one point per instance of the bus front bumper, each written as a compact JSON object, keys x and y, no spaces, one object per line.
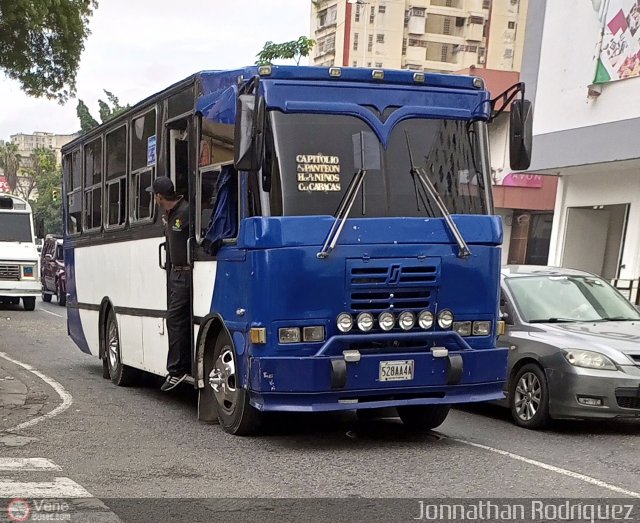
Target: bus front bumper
{"x":332,"y":383}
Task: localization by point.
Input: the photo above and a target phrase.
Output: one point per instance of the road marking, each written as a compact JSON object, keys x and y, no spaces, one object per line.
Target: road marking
{"x":66,"y":398}
{"x":26,"y":464}
{"x":557,"y":470}
{"x":52,"y":313}
{"x":58,"y":488}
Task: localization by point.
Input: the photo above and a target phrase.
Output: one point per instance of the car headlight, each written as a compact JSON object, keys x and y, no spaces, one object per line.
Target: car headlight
{"x":588,"y":359}
{"x":425,"y":320}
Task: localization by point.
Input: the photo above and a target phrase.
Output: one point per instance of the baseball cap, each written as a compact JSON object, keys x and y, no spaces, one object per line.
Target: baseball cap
{"x":162,"y":185}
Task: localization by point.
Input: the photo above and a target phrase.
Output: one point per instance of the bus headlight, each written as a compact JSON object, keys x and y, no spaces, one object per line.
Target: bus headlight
{"x":289,"y":335}
{"x":386,"y":321}
{"x":462,"y":327}
{"x":365,"y":321}
{"x":407,"y":320}
{"x":425,"y":320}
{"x":313,"y":334}
{"x":445,"y":319}
{"x":481,"y":328}
{"x":344,"y":322}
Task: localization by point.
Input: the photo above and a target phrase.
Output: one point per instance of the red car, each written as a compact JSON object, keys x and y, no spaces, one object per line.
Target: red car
{"x":53,"y":278}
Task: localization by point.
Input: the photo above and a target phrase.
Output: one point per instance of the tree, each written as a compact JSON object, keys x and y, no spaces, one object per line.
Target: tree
{"x":108,"y":110}
{"x":41,"y":42}
{"x":10,"y":163}
{"x":46,"y":177}
{"x":293,"y":50}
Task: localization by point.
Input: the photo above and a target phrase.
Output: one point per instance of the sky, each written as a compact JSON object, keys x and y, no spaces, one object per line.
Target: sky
{"x":137,"y":48}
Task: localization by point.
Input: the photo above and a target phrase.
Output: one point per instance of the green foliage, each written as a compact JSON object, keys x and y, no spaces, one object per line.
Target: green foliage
{"x":46,"y":177}
{"x":107,"y":111}
{"x":41,"y":42}
{"x":10,"y":163}
{"x":87,"y":122}
{"x":293,"y":50}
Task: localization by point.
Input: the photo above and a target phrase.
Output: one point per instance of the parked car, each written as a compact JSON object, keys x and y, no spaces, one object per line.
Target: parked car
{"x":574,"y":346}
{"x":53,"y":278}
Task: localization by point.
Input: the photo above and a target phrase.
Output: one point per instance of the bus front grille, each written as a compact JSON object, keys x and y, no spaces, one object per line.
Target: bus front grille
{"x":9,"y":272}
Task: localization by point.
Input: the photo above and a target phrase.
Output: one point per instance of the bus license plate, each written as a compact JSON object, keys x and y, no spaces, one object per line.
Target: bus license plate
{"x":396,"y":370}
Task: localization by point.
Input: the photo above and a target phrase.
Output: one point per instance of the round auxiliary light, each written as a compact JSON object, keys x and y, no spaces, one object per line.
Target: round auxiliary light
{"x":407,"y":320}
{"x":365,"y":321}
{"x":344,"y":322}
{"x":445,"y":319}
{"x":386,"y":321}
{"x":425,"y":320}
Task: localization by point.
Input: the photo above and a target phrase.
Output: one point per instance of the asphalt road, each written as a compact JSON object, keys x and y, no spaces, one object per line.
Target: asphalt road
{"x":142,"y":443}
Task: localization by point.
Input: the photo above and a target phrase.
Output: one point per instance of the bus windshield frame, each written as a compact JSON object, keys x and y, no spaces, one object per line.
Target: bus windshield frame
{"x":311,"y":159}
{"x":15,"y":226}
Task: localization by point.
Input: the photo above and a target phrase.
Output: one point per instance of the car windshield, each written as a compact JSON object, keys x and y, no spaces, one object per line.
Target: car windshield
{"x":15,"y":227}
{"x":551,"y":299}
{"x":312,"y":158}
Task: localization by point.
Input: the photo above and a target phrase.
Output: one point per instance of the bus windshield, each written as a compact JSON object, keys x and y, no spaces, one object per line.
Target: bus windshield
{"x":15,"y":227}
{"x":313,"y":158}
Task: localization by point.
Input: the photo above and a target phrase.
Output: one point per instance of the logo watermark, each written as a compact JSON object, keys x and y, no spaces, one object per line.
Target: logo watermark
{"x":19,"y":509}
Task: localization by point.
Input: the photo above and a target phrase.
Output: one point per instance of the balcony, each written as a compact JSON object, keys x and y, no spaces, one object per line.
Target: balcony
{"x":446,"y":8}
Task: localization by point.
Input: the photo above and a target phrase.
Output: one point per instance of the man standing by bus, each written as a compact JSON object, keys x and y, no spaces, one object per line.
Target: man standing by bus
{"x":176,"y":230}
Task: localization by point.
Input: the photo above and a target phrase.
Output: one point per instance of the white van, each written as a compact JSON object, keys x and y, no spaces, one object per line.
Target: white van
{"x":19,"y":260}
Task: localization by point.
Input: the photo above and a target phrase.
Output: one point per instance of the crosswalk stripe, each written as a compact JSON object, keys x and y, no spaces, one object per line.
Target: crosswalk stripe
{"x":58,"y":488}
{"x":27,"y":464}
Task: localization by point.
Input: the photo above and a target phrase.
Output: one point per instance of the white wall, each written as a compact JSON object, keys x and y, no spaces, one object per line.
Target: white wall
{"x":610,"y":187}
{"x":567,"y":66}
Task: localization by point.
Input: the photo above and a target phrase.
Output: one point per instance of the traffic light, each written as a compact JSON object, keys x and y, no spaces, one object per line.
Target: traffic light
{"x":55,"y":194}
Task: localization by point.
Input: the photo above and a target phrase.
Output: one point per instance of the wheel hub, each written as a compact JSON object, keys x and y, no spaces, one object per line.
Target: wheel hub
{"x":222,"y":379}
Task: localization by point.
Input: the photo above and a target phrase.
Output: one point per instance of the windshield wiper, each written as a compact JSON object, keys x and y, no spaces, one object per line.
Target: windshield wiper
{"x":618,"y":318}
{"x":554,"y":320}
{"x":342,"y":213}
{"x":420,"y":174}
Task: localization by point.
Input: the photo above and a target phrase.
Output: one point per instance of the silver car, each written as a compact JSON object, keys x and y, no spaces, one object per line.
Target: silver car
{"x":574,"y":345}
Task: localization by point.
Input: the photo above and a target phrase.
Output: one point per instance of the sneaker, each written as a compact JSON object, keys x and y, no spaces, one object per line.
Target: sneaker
{"x":172,"y":382}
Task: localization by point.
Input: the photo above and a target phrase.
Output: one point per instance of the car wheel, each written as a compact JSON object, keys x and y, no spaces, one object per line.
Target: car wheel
{"x":529,"y":397}
{"x":29,"y":303}
{"x":423,"y":417}
{"x":235,"y":414}
{"x":120,"y":374}
{"x":45,"y":295}
{"x":62,"y":296}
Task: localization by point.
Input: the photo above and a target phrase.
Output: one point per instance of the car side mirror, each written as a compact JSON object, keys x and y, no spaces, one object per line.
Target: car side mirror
{"x":249,"y":132}
{"x":520,"y":134}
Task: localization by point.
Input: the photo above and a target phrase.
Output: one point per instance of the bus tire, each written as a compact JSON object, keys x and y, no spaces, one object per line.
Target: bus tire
{"x":423,"y":417}
{"x":235,"y":414}
{"x":29,"y":303}
{"x":120,"y":374}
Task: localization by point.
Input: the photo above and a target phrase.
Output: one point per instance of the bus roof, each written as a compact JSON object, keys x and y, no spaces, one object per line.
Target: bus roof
{"x":210,"y":81}
{"x":11,"y":202}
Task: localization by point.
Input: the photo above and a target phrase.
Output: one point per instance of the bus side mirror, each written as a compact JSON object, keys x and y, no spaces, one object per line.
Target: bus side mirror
{"x":249,"y":132}
{"x":520,"y":134}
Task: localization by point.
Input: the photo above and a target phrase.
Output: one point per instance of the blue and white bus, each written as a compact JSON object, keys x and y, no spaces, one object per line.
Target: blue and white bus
{"x":343,"y":249}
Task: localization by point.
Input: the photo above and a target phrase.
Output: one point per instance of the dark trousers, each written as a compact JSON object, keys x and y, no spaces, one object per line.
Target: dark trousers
{"x":179,"y":323}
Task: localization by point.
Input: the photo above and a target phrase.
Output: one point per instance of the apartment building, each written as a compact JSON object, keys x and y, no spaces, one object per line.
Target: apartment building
{"x":28,"y":143}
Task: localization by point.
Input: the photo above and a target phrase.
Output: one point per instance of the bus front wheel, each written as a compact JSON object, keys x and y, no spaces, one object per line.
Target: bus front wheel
{"x":423,"y":417}
{"x":235,"y":414}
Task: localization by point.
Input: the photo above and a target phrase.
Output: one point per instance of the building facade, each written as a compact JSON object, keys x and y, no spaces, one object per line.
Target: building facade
{"x":583,"y":83}
{"x":29,"y":143}
{"x":431,"y":35}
